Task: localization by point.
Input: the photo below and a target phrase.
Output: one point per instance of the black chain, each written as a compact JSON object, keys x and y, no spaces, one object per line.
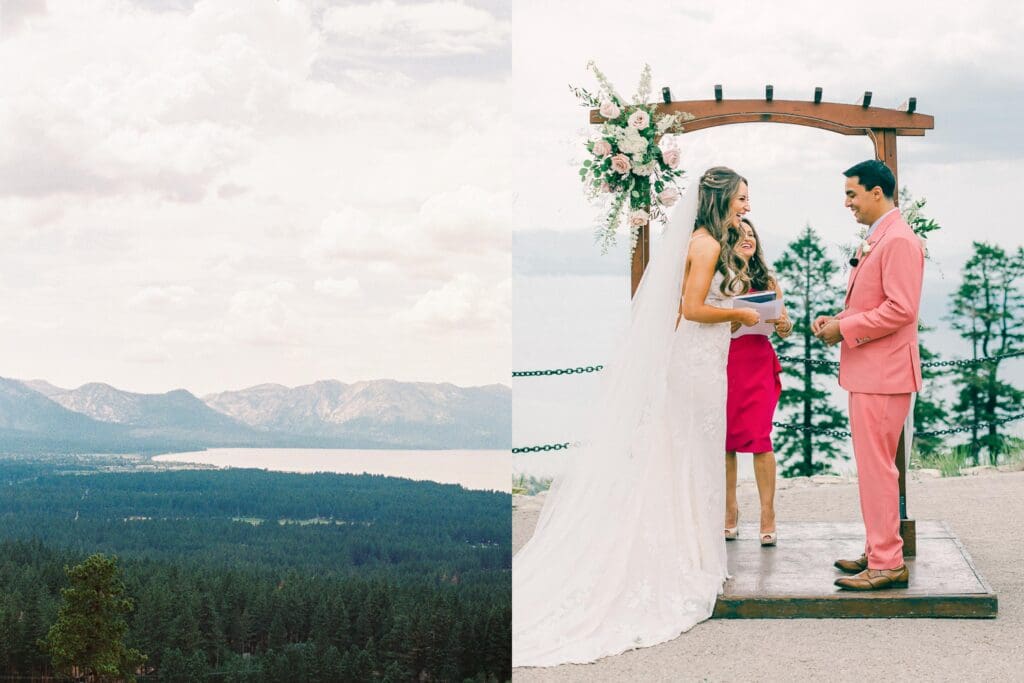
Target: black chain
{"x":808,"y":361}
{"x":971,"y":361}
{"x":814,"y":430}
{"x":560,"y":371}
{"x":784,"y":359}
{"x":545,"y":447}
{"x":837,"y":433}
{"x":969,"y":428}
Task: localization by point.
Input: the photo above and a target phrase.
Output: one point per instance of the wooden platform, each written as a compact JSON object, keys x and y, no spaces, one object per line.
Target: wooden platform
{"x":795,"y":578}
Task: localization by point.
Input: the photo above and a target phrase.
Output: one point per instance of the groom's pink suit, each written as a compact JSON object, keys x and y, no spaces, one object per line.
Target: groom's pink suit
{"x":879,"y":364}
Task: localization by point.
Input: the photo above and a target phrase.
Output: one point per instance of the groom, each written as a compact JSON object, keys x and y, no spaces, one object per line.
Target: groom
{"x":879,"y":365}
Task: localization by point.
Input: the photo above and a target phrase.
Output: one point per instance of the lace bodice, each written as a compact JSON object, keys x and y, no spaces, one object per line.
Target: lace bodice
{"x":715,"y":296}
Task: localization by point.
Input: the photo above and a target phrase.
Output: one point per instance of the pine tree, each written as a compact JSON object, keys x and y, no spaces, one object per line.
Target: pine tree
{"x":173,"y":667}
{"x":90,"y":629}
{"x":988,"y":311}
{"x":811,"y":287}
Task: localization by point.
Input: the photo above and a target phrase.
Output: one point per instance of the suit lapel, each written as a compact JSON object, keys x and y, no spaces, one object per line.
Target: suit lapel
{"x":877,"y":237}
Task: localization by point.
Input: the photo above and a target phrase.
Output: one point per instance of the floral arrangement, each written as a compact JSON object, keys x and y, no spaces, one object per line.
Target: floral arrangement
{"x":626,"y":165}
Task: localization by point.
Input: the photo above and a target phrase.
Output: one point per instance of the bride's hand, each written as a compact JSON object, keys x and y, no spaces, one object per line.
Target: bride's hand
{"x":747,"y":316}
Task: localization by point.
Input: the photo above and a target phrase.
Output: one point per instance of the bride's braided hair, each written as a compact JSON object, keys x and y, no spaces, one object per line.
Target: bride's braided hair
{"x":718,"y":186}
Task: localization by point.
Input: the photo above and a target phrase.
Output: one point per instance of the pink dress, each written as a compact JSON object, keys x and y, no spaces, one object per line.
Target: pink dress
{"x":754,"y":389}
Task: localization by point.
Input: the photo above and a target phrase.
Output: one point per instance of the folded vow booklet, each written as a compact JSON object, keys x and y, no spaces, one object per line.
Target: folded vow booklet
{"x":767,"y":305}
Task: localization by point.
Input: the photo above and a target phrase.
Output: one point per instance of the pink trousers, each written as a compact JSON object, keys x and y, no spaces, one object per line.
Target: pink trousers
{"x":875,"y":423}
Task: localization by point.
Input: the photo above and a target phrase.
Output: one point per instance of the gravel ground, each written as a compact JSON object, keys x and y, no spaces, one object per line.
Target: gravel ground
{"x":985,"y":509}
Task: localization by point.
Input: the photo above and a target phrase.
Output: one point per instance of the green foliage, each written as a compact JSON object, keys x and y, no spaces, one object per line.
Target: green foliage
{"x":530,"y":485}
{"x":949,"y":462}
{"x":988,"y":312}
{"x":811,"y":287}
{"x":913,"y":214}
{"x":90,"y":631}
{"x":412,"y":582}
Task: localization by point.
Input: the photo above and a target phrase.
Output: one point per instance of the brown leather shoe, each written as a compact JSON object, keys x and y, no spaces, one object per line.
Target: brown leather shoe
{"x":876,"y":579}
{"x":852,"y":566}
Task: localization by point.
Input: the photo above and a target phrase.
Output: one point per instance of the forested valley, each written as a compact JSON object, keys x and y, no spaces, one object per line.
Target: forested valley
{"x":249,"y":575}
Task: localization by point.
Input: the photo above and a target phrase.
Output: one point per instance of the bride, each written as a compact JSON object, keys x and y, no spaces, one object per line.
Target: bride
{"x":629,"y":550}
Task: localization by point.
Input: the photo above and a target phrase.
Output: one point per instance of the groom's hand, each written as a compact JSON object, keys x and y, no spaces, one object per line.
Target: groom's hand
{"x":830,"y":332}
{"x":819,"y":323}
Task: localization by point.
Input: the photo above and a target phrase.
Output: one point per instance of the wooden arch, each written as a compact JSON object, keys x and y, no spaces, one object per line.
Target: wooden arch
{"x":882,"y":126}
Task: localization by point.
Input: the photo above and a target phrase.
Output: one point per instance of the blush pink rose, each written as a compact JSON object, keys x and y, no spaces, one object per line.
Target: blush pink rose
{"x":605,"y":187}
{"x":638,"y":218}
{"x":639,"y":119}
{"x":620,"y":164}
{"x":602,"y":148}
{"x":668,"y":196}
{"x":670,"y":157}
{"x":610,"y":110}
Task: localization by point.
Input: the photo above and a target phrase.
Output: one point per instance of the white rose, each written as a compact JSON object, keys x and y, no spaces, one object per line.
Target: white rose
{"x":638,"y":218}
{"x":610,"y":110}
{"x":668,"y":196}
{"x":639,"y":119}
{"x":631,"y":142}
{"x":644,"y":169}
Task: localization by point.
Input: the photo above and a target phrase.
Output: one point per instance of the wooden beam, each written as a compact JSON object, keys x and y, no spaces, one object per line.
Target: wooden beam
{"x":641,"y":255}
{"x":849,"y":119}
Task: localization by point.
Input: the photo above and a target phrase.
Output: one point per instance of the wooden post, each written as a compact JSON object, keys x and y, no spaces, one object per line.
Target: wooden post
{"x":885,"y":151}
{"x":641,"y":255}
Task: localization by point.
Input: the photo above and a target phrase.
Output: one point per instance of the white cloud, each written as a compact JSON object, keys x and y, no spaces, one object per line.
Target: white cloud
{"x":342,"y":289}
{"x":421,"y":29}
{"x":350,"y":234}
{"x":229,"y":147}
{"x":261,"y":317}
{"x":468,"y":219}
{"x":145,"y":352}
{"x":464,"y":303}
{"x":162,"y":298}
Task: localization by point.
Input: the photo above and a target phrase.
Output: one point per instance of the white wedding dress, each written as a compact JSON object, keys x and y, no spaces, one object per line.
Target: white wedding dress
{"x":629,"y":550}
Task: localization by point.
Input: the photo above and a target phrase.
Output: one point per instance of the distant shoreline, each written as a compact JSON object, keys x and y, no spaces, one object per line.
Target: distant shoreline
{"x":483,"y":470}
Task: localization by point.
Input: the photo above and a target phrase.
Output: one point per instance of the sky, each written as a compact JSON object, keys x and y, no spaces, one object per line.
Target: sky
{"x":212,"y":195}
{"x":960,"y":60}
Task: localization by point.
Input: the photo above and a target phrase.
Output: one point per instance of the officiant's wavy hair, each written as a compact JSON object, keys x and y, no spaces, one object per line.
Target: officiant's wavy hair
{"x":718,"y":186}
{"x":759,"y":275}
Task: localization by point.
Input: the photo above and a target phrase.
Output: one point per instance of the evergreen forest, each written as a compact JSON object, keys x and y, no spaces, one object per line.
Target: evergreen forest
{"x":249,"y":575}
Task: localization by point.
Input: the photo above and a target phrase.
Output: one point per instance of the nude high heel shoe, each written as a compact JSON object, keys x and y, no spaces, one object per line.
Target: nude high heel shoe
{"x":732,"y":533}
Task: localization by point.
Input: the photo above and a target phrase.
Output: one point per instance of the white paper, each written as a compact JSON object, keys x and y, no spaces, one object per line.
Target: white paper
{"x":767,"y":310}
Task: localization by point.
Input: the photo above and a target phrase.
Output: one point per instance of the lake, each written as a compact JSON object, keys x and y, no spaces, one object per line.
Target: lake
{"x":483,"y":470}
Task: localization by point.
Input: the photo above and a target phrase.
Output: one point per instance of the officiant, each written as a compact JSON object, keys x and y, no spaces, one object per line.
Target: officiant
{"x":754,"y":388}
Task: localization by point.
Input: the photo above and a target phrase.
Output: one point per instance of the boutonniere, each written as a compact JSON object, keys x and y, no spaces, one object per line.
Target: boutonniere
{"x":865,"y":248}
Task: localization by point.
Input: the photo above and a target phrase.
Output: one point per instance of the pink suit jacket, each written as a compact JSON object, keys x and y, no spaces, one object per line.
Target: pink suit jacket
{"x":879,"y":352}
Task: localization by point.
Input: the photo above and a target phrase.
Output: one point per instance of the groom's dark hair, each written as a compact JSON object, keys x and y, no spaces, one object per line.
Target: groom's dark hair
{"x":873,"y":173}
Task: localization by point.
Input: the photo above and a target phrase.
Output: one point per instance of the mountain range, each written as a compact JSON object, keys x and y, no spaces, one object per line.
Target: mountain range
{"x":38,"y":416}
